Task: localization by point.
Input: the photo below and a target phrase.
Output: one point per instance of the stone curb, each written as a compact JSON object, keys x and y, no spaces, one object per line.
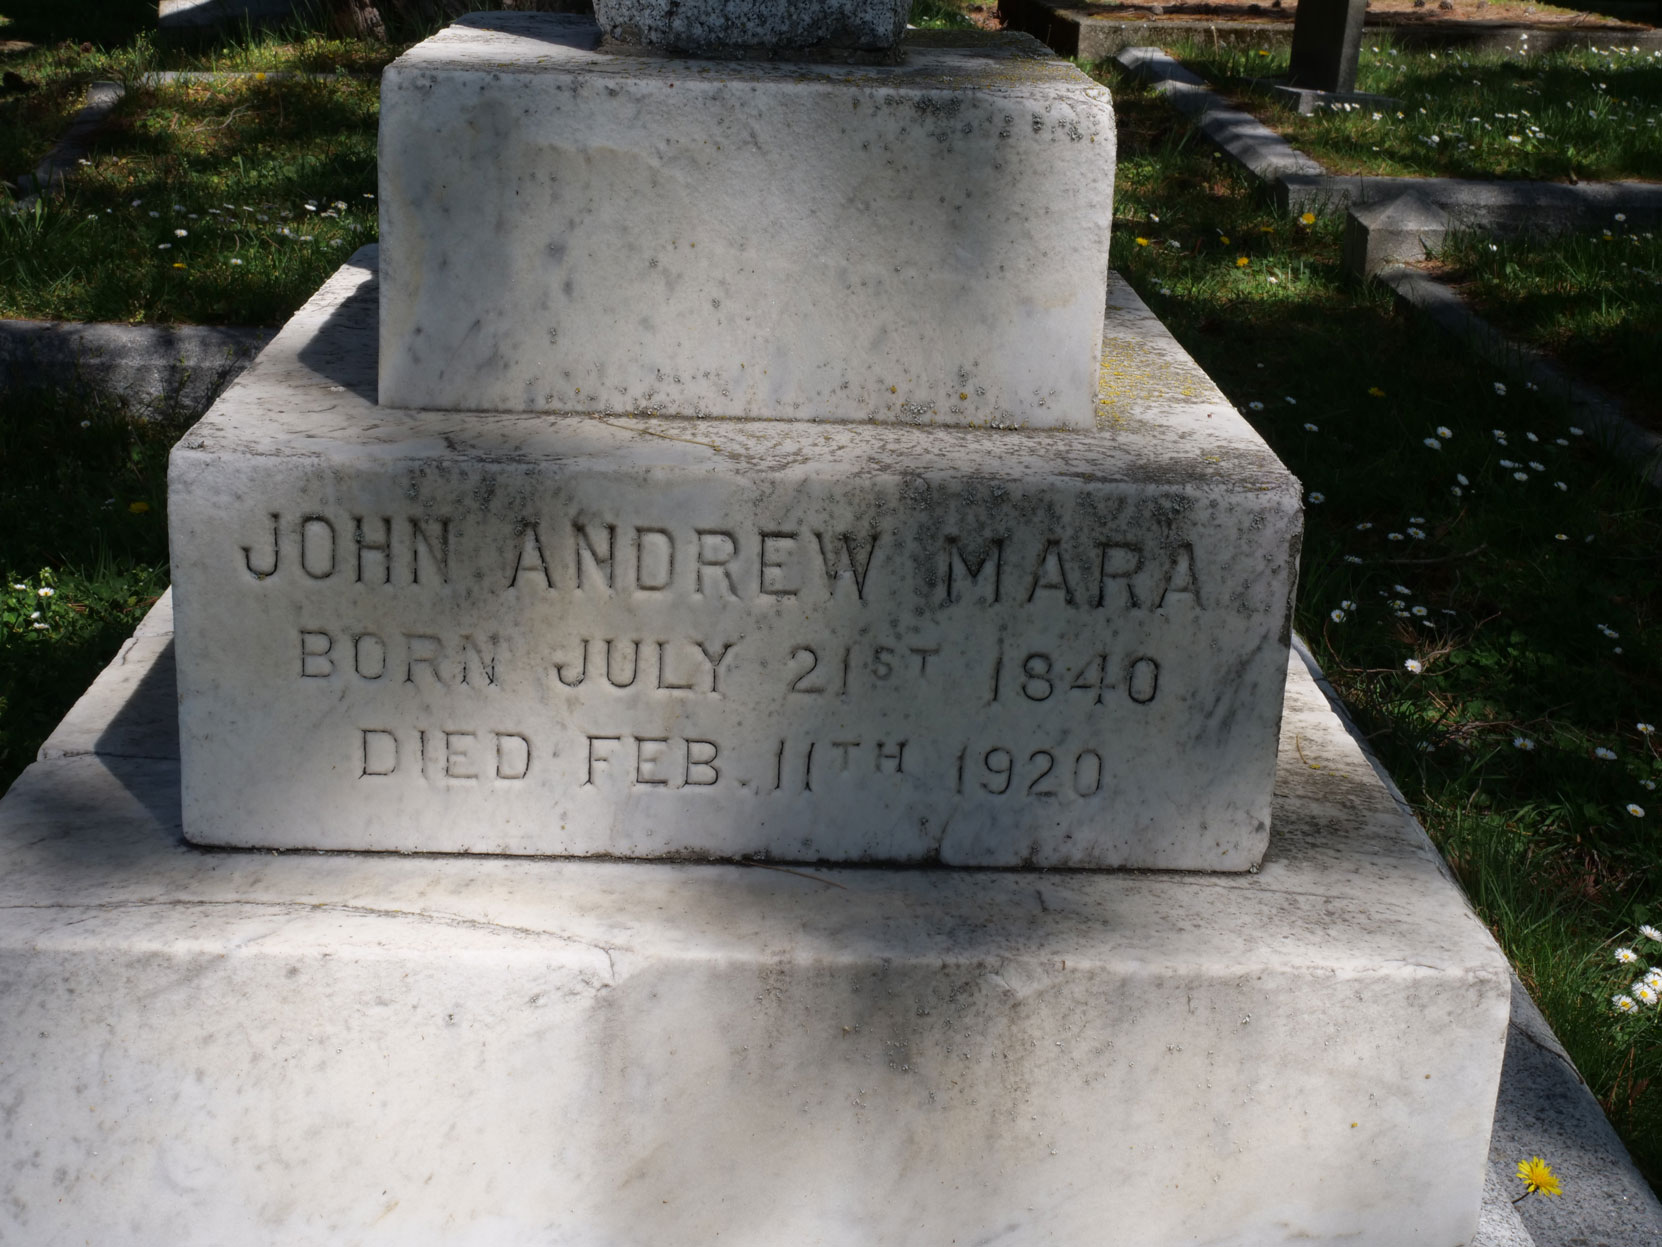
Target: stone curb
{"x":1601,"y":412}
{"x":1505,"y":207}
{"x":102,"y":97}
{"x":1301,"y":184}
{"x":1241,"y":136}
{"x":1079,"y":32}
{"x":49,"y":174}
{"x":1545,"y":1108}
{"x":153,"y":370}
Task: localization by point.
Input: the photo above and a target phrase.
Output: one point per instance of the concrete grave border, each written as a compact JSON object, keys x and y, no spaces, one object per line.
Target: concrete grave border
{"x":1392,"y":219}
{"x":1072,"y":31}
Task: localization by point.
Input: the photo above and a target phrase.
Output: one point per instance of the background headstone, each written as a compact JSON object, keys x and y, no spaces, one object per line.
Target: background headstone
{"x":1327,"y":35}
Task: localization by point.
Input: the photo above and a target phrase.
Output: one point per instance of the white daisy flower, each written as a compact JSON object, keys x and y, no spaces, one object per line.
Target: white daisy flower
{"x":1626,"y":956}
{"x":1644,"y":993}
{"x":1651,"y":934}
{"x":1624,"y":1004}
{"x":1311,"y":428}
{"x":1413,"y":666}
{"x":1432,"y":443}
{"x":1337,"y":616}
{"x":1638,"y":811}
{"x":1523,"y":743}
{"x":1500,"y":388}
{"x":1317,"y":497}
{"x":1604,"y":755}
{"x":1444,"y":432}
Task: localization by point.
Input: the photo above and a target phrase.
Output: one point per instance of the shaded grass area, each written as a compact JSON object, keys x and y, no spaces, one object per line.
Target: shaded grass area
{"x":221,"y":202}
{"x":1573,"y":114}
{"x":83,"y":549}
{"x":1593,"y":301}
{"x":1478,"y":580}
{"x":79,"y":45}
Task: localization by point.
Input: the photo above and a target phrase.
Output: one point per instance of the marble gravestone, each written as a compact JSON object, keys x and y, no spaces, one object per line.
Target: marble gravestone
{"x":946,"y":606}
{"x":628,"y":593}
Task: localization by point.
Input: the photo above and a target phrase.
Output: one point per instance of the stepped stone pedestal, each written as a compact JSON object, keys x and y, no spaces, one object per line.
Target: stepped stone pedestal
{"x":650,"y":637}
{"x":200,"y":1047}
{"x":460,"y":575}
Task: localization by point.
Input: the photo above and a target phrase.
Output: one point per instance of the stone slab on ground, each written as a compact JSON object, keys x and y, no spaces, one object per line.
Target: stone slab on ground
{"x":565,"y":229}
{"x":201,"y":1047}
{"x":661,"y":637}
{"x":151,"y":369}
{"x":188,"y":14}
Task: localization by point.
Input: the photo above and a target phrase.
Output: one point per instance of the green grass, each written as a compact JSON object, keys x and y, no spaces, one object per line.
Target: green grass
{"x":1593,"y":301}
{"x":82,"y":516}
{"x":270,"y":181}
{"x":1578,"y":114}
{"x":1527,"y":604}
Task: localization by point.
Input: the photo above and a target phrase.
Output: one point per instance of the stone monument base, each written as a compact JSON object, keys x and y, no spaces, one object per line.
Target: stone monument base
{"x":663,"y":637}
{"x":209,"y":1046}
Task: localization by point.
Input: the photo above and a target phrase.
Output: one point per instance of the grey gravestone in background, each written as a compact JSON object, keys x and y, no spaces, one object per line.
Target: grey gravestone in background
{"x":1327,"y":36}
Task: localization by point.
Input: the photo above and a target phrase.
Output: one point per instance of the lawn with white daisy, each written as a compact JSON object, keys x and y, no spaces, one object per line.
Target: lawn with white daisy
{"x":1588,"y":113}
{"x":1479,"y":579}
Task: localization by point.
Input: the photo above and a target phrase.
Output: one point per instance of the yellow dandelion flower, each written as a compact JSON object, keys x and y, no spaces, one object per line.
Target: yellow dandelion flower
{"x":1241,"y":261}
{"x":1538,"y":1177}
{"x":1376,"y":391}
{"x":1224,"y":239}
{"x":138,"y":508}
{"x":1142,"y":242}
{"x":1309,"y":218}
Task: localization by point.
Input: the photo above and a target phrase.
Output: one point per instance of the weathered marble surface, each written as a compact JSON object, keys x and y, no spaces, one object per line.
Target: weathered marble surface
{"x":778,"y":26}
{"x":202,"y":1047}
{"x":419,"y":631}
{"x":564,"y":229}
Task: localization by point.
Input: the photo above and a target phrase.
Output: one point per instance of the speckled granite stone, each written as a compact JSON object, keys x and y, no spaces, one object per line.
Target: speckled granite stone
{"x":713,"y":27}
{"x":659,"y":637}
{"x":567,"y":230}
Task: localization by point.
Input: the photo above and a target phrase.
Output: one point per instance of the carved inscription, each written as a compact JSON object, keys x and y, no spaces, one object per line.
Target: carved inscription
{"x":782,"y":649}
{"x":720,"y":564}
